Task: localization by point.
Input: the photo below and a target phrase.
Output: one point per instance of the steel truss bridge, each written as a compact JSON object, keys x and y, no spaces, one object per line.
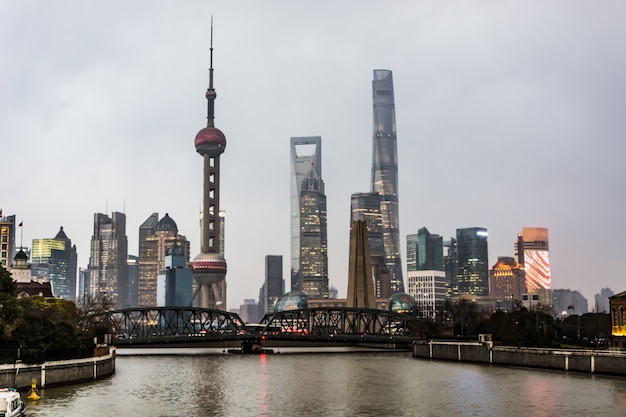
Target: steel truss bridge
{"x":200,"y":327}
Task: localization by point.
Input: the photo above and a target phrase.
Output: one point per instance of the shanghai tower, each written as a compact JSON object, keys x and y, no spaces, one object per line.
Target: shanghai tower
{"x":209,"y":267}
{"x":385,"y":172}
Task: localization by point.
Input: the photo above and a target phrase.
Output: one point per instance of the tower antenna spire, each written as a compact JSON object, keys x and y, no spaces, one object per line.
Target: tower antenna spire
{"x":210,"y":93}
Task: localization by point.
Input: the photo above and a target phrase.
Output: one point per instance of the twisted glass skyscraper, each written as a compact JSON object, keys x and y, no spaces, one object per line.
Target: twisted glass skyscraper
{"x":385,"y":172}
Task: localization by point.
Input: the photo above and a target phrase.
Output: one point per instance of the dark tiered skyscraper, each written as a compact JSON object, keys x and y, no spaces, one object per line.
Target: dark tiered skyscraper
{"x":209,"y":267}
{"x":385,"y":172}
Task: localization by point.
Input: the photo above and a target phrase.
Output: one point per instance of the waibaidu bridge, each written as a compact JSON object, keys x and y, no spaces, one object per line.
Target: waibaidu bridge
{"x":322,"y":327}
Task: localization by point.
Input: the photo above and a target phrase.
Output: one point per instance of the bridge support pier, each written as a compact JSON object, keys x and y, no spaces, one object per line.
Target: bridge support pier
{"x":251,"y":346}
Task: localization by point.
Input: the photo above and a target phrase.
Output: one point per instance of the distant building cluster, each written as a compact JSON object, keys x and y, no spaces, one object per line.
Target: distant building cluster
{"x":438,"y":270}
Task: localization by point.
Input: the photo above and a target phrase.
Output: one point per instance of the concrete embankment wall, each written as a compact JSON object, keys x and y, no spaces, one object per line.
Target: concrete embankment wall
{"x":58,"y":372}
{"x":578,"y":360}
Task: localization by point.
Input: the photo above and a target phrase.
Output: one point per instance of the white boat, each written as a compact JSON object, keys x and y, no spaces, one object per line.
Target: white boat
{"x":11,"y":404}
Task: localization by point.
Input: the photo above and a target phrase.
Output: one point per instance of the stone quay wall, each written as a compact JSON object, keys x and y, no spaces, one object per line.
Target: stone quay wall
{"x":576,"y":360}
{"x":20,"y":375}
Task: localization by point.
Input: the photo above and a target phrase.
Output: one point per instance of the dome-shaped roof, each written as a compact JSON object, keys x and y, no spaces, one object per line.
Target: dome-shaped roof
{"x":294,"y":300}
{"x":167,"y":223}
{"x":21,"y":255}
{"x":402,"y":303}
{"x":211,"y":141}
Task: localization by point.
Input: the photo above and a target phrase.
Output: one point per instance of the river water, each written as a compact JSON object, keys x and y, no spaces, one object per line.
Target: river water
{"x":210,"y":383}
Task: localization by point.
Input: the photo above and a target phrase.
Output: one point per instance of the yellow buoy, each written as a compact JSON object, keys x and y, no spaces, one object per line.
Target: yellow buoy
{"x":33,"y":394}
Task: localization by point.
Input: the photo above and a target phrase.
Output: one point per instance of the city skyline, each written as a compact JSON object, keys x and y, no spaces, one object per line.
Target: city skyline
{"x":508,"y":116}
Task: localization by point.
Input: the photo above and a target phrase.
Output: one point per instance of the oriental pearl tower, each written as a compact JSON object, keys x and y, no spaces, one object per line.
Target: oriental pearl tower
{"x":209,"y":267}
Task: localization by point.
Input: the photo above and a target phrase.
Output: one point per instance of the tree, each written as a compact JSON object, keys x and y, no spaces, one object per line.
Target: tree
{"x":9,"y":307}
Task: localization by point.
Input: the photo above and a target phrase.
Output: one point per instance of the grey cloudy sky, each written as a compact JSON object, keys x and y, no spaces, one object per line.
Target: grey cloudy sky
{"x":509,"y":114}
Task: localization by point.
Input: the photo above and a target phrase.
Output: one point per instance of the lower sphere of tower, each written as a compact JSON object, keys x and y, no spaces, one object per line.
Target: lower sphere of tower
{"x":209,"y":268}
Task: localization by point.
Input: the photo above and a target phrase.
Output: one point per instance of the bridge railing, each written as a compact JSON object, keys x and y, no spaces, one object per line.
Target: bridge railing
{"x":341,"y":322}
{"x":152,"y":323}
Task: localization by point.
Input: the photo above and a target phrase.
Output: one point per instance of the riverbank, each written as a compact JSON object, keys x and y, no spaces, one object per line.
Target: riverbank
{"x":51,"y":373}
{"x":575,"y":360}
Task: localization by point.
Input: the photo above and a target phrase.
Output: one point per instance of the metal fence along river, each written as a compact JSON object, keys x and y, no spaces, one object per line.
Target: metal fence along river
{"x":199,"y":383}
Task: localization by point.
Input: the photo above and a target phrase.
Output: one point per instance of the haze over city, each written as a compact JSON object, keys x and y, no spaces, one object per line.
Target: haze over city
{"x":508,"y":115}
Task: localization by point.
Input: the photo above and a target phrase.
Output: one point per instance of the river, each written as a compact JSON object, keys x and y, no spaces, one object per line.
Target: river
{"x":210,"y":383}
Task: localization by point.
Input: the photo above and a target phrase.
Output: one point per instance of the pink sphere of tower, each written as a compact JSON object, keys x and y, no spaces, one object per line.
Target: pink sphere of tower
{"x":210,"y":141}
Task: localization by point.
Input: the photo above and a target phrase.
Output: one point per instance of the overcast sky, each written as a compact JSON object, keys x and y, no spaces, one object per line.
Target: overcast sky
{"x":509,"y":114}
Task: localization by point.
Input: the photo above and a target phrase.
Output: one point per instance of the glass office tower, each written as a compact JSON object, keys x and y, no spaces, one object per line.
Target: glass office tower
{"x":385,"y":172}
{"x":309,"y":250}
{"x":58,"y":258}
{"x":473,"y":263}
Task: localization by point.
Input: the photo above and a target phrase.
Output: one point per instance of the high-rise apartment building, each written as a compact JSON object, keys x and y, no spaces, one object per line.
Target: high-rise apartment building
{"x":309,"y":247}
{"x":426,"y":277}
{"x":7,"y":240}
{"x":532,"y":251}
{"x":58,"y":261}
{"x":602,"y":304}
{"x":274,"y":286}
{"x":385,"y":172}
{"x":152,"y":251}
{"x":473,"y":275}
{"x":567,"y":302}
{"x":507,"y":281}
{"x":108,"y":270}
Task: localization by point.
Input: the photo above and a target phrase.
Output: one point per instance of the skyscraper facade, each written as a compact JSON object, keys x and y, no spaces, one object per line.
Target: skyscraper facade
{"x":473,"y":275}
{"x":108,"y":270}
{"x":7,"y":240}
{"x":133,"y":280}
{"x":451,"y":267}
{"x":274,"y":286}
{"x":209,"y":267}
{"x":58,"y":260}
{"x":175,"y":280}
{"x":507,"y":281}
{"x":152,"y":251}
{"x":385,"y":172}
{"x":309,"y":241}
{"x":425,"y":276}
{"x":532,"y":250}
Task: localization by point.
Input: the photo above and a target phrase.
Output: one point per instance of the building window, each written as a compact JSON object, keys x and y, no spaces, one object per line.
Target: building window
{"x":622,"y":316}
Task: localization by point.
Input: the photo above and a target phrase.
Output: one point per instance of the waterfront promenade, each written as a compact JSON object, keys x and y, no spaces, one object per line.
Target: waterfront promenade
{"x":70,"y":371}
{"x":610,"y":362}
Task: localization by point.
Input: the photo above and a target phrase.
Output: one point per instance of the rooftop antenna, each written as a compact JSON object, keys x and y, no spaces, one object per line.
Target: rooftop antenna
{"x":210,"y":93}
{"x":21,"y":226}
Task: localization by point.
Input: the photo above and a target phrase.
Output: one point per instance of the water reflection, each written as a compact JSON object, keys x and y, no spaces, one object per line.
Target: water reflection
{"x":353,"y":384}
